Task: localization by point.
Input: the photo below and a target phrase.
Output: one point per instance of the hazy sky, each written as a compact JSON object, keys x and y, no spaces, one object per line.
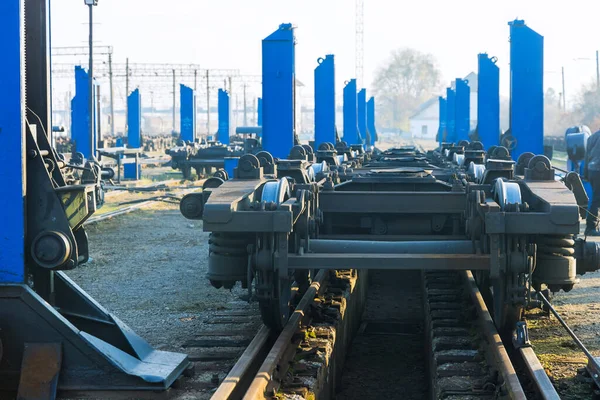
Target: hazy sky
{"x":228,"y":33}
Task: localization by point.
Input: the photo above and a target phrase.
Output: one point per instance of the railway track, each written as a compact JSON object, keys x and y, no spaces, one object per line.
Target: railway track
{"x":304,"y":359}
{"x":134,"y":205}
{"x":466,"y":356}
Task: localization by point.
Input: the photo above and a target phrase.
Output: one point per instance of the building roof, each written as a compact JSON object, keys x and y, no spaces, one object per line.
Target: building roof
{"x":471,"y":79}
{"x":424,"y":106}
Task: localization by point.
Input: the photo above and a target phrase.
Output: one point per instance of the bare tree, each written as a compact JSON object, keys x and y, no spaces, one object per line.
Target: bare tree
{"x":588,"y":105}
{"x":406,"y":80}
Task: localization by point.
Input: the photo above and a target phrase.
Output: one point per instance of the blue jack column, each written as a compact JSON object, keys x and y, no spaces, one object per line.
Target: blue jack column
{"x":278,"y":83}
{"x":362,"y":116}
{"x":48,"y":323}
{"x":351,"y":132}
{"x":259,"y":112}
{"x":134,"y":133}
{"x":325,"y":101}
{"x":223,"y":111}
{"x":450,"y":116}
{"x":12,"y":142}
{"x":442,"y":120}
{"x":526,"y":91}
{"x":462,"y":110}
{"x":187,"y":113}
{"x":80,"y":115}
{"x":488,"y":101}
{"x":371,"y":120}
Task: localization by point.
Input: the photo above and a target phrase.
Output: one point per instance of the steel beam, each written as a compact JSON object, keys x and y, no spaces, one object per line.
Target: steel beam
{"x":259,"y":112}
{"x":187,"y":113}
{"x":278,"y":90}
{"x":393,"y":202}
{"x":362,"y":116}
{"x":325,"y":246}
{"x":80,"y":115}
{"x":351,"y":132}
{"x":442,"y":120}
{"x":134,"y":120}
{"x":371,"y":120}
{"x":488,"y":101}
{"x":134,"y":133}
{"x":37,"y":65}
{"x":444,"y":262}
{"x":450,"y":116}
{"x":12,"y":141}
{"x":462,"y":110}
{"x":325,"y":101}
{"x":223,"y":111}
{"x":526,"y":89}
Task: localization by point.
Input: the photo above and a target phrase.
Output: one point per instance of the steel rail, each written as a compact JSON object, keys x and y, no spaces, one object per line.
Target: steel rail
{"x":243,"y":366}
{"x":545,"y":388}
{"x":593,"y":365}
{"x":503,"y":362}
{"x":265,"y":374}
{"x":117,"y":212}
{"x":137,"y":206}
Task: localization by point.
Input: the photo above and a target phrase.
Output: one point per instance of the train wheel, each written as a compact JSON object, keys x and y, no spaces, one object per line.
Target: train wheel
{"x":275,"y":309}
{"x":505,"y":313}
{"x":274,"y":292}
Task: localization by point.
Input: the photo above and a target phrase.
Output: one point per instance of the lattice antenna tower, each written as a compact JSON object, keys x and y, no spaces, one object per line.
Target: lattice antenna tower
{"x":359,"y":49}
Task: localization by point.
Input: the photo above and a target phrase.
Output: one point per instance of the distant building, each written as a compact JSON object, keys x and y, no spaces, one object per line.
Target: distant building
{"x":425,"y":121}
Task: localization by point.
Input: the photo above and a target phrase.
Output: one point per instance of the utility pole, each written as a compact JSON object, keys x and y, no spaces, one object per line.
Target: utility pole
{"x":174,"y":101}
{"x":231,"y":108}
{"x":359,"y":43}
{"x":597,"y":72}
{"x":245,"y":113}
{"x":98,"y":109}
{"x":207,"y":102}
{"x":126,"y":95}
{"x":195,"y":110}
{"x":563,"y":90}
{"x":91,"y":4}
{"x":112,"y":104}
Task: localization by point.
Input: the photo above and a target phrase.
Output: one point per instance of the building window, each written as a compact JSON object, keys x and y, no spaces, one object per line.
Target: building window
{"x":423,"y":130}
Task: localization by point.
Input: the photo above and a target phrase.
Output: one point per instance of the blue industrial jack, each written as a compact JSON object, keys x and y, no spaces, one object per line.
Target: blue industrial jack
{"x":53,"y":336}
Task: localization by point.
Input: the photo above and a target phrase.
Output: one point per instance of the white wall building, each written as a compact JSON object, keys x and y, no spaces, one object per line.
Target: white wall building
{"x":424,"y":123}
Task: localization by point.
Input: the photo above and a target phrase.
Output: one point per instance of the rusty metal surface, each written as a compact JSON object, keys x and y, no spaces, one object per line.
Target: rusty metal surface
{"x":243,"y":365}
{"x":504,"y":363}
{"x":390,"y":261}
{"x":39,"y":371}
{"x":393,"y":202}
{"x":263,"y":377}
{"x":538,"y":374}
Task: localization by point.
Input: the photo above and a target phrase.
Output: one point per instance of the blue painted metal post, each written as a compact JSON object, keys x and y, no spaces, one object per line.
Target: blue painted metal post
{"x":526,"y":89}
{"x":134,"y":120}
{"x":371,"y":120}
{"x":12,"y":143}
{"x":325,"y":101}
{"x":488,"y":101}
{"x":450,"y":116}
{"x":80,"y":114}
{"x":187,"y":113}
{"x":442,"y":120}
{"x":223,"y":111}
{"x":134,"y":133}
{"x":362,"y":116}
{"x":259,"y":117}
{"x":351,"y":132}
{"x":230,"y":163}
{"x":278,"y":90}
{"x":462,"y":110}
